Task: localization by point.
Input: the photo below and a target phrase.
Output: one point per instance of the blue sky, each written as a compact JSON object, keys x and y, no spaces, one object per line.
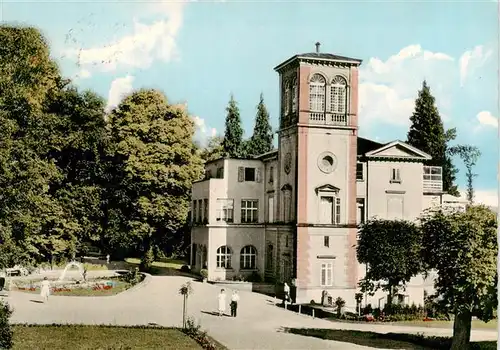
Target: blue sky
{"x":200,"y":52}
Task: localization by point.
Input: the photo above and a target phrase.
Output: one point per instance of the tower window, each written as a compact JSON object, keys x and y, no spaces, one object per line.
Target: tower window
{"x":294,"y":96}
{"x":286,"y":98}
{"x":338,"y":95}
{"x":317,"y":87}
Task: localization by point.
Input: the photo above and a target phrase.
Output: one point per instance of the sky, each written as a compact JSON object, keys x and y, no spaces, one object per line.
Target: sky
{"x":201,"y":52}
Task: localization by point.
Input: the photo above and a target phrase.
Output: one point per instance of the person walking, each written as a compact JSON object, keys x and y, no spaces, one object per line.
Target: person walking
{"x":45,"y":289}
{"x":234,"y":303}
{"x":222,"y":302}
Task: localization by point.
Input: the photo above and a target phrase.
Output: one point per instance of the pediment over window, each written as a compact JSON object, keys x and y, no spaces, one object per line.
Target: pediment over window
{"x":286,"y":187}
{"x":398,"y":149}
{"x":327,"y":188}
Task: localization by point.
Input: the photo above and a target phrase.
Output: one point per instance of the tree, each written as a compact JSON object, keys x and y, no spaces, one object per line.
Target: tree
{"x":155,"y":163}
{"x":391,"y":250}
{"x":427,"y":134}
{"x":462,"y":248}
{"x":469,"y":155}
{"x":6,"y":333}
{"x":233,"y":134}
{"x":262,"y":138}
{"x":214,"y":149}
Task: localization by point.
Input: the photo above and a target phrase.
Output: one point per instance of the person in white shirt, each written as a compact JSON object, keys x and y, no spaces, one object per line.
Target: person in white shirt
{"x":222,"y":302}
{"x":286,"y":290}
{"x":234,"y":303}
{"x":45,"y":289}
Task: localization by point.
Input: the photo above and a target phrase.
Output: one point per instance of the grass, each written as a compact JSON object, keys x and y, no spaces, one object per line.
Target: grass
{"x":387,"y":341}
{"x":476,"y":324}
{"x":98,"y":337}
{"x":119,"y":287}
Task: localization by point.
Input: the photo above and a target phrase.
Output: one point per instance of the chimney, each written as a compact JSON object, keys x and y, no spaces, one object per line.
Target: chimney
{"x":318,"y":44}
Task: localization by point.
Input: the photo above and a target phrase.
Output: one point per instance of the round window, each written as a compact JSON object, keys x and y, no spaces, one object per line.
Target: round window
{"x":327,"y":162}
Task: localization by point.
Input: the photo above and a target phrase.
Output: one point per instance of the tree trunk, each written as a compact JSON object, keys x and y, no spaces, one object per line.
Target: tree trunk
{"x":461,"y":330}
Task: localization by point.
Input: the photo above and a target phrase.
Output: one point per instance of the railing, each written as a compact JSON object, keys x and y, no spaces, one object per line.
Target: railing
{"x":327,"y":118}
{"x":433,"y":179}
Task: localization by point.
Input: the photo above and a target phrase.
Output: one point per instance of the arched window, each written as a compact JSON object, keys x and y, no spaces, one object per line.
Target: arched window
{"x":294,"y":95}
{"x":248,"y":257}
{"x":338,"y":95}
{"x":317,"y":87}
{"x":286,"y":97}
{"x":224,"y":257}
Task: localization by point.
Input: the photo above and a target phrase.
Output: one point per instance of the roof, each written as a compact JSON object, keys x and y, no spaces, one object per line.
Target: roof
{"x":366,"y":145}
{"x":319,"y":56}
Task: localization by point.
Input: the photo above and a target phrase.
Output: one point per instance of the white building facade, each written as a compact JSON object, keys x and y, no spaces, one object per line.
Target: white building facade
{"x":292,"y":215}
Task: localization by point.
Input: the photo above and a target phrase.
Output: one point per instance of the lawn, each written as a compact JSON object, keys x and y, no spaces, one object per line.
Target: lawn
{"x":387,"y":341}
{"x":476,"y":324}
{"x":95,"y":337}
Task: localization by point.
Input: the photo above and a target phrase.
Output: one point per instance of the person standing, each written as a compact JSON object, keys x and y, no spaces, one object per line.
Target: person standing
{"x":234,"y":303}
{"x":286,"y":290}
{"x":45,"y":289}
{"x":222,"y":302}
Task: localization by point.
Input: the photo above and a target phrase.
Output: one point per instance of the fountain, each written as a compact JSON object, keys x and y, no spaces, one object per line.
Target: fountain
{"x":70,"y":264}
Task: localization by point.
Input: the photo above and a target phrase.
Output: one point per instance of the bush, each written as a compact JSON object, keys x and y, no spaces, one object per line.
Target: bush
{"x":133,"y":276}
{"x":147,"y":260}
{"x":185,"y":268}
{"x":254,"y":277}
{"x":194,"y":331}
{"x":5,"y":329}
{"x":204,"y":273}
{"x":339,"y":303}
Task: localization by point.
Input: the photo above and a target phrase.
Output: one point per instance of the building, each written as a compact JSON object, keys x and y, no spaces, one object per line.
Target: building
{"x":292,"y":214}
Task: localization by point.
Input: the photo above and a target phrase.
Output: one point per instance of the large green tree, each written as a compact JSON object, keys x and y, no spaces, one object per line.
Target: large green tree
{"x":427,"y":133}
{"x":462,"y":248}
{"x":233,"y":143}
{"x":262,"y":137}
{"x":155,"y":164}
{"x":214,"y":149}
{"x":391,"y":249}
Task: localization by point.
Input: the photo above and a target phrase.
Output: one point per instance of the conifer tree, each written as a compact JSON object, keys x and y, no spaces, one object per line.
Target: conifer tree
{"x":262,"y":138}
{"x":427,"y":134}
{"x":233,"y":134}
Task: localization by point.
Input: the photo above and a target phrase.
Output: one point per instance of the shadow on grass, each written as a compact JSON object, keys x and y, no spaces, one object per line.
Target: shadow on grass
{"x":386,"y":341}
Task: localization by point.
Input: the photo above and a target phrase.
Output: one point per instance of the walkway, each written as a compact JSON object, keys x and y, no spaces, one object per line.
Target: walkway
{"x":257,"y":326}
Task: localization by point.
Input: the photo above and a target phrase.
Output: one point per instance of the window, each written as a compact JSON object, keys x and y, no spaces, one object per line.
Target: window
{"x":195,"y":211}
{"x":225,"y":210}
{"x":395,"y":177}
{"x":248,"y":257}
{"x":326,"y":241}
{"x":286,"y":98}
{"x":249,"y":210}
{"x":270,"y":257}
{"x":359,"y":171}
{"x":200,"y":210}
{"x":294,"y":96}
{"x":329,"y":209}
{"x":270,"y":209}
{"x":249,"y":174}
{"x":271,"y":175}
{"x":317,"y":93}
{"x":360,"y":213}
{"x":205,"y":210}
{"x":326,"y":274}
{"x":220,"y":173}
{"x":224,"y":257}
{"x":338,"y":95}
{"x":287,"y":205}
{"x":286,"y":241}
{"x":208,"y":174}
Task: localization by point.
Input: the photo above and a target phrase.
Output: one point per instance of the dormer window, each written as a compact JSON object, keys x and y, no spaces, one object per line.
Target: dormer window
{"x":395,"y":176}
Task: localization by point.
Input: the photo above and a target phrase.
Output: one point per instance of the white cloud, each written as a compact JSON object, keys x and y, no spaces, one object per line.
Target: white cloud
{"x":472,"y":60}
{"x":388,"y":88}
{"x":118,"y":89}
{"x":203,"y":132}
{"x":485,"y":118}
{"x":138,"y":50}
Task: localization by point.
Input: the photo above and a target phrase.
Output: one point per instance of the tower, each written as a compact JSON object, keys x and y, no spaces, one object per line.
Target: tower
{"x":317,"y":156}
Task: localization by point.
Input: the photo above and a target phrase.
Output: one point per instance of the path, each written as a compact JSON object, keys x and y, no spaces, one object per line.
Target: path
{"x":257,"y":326}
